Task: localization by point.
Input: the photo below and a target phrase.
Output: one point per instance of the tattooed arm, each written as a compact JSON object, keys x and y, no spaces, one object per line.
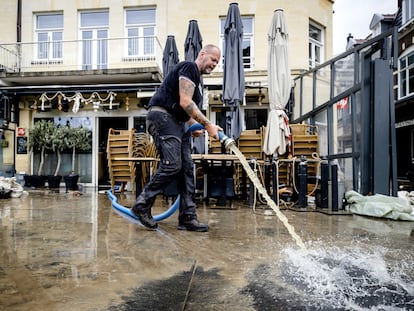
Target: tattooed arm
{"x":186,"y":89}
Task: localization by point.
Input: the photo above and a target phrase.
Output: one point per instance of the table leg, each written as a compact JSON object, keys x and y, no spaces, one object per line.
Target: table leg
{"x":222,"y":200}
{"x":138,"y":177}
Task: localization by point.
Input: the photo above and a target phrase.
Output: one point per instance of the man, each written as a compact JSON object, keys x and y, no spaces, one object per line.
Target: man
{"x":171,"y":108}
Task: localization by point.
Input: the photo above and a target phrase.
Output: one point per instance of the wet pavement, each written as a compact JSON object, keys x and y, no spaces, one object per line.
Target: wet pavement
{"x":62,"y":251}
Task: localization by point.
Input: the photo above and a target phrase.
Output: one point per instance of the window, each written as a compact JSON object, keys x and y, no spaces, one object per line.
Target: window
{"x":94,"y":34}
{"x":255,"y":117}
{"x":248,"y":57}
{"x":407,"y":10}
{"x":49,"y":35}
{"x":406,"y":75}
{"x":315,"y":45}
{"x":140,"y":31}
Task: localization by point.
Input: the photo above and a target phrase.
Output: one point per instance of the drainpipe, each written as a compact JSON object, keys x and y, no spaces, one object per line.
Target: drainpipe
{"x":19,"y":32}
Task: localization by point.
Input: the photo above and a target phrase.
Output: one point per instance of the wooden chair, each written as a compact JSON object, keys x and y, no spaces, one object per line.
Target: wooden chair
{"x":120,"y":144}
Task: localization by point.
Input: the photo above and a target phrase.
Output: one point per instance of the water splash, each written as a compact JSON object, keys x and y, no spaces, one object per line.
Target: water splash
{"x":263,"y":192}
{"x":350,"y":279}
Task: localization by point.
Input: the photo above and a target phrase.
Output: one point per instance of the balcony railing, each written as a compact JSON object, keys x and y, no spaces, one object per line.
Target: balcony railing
{"x":111,"y":53}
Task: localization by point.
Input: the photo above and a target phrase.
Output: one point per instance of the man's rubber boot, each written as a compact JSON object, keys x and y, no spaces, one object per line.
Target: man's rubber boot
{"x":190,"y":223}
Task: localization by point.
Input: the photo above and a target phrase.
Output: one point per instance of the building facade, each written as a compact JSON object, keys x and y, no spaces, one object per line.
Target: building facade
{"x":96,"y":64}
{"x":404,"y":91}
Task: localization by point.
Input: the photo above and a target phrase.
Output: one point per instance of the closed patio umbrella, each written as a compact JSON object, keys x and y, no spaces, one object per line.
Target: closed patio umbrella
{"x":170,"y":55}
{"x":233,"y":78}
{"x":193,"y":41}
{"x":192,"y":46}
{"x":277,"y":129}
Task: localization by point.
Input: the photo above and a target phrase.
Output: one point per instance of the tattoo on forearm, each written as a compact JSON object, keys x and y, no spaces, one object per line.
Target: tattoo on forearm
{"x":193,"y":111}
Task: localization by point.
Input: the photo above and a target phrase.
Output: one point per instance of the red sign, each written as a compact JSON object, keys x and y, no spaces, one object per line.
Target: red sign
{"x":21,"y":131}
{"x":342,"y":104}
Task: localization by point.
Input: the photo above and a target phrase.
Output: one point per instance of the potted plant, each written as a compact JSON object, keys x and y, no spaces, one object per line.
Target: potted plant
{"x":57,"y":144}
{"x":39,"y":141}
{"x":79,"y":138}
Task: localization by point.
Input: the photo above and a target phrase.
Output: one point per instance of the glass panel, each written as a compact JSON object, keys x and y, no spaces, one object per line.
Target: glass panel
{"x":247,"y":25}
{"x":411,"y":81}
{"x":406,"y":11}
{"x":345,"y":178}
{"x":43,"y":46}
{"x":307,"y":93}
{"x":315,"y":33}
{"x":222,"y":23}
{"x":56,"y":36}
{"x":42,"y":36}
{"x":403,"y":63}
{"x":343,"y":129}
{"x":102,"y":49}
{"x":132,"y":32}
{"x":296,"y":102}
{"x":83,"y":159}
{"x":357,"y":125}
{"x":87,"y":50}
{"x":410,"y":59}
{"x":93,"y":19}
{"x":132,"y":41}
{"x":321,"y":122}
{"x":344,"y":74}
{"x":403,"y":84}
{"x":246,"y":53}
{"x":323,"y":85}
{"x":7,"y":153}
{"x":317,"y":55}
{"x":149,"y":48}
{"x":255,"y":118}
{"x":134,"y":17}
{"x":57,"y":45}
{"x":52,"y":21}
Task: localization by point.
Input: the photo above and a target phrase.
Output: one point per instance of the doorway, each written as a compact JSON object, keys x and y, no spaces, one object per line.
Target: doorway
{"x":104,"y":124}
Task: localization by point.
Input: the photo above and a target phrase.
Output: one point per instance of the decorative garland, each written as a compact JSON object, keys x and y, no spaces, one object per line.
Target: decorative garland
{"x":77,"y":98}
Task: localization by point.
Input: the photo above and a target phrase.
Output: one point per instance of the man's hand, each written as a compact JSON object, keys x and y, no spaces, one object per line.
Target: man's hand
{"x":213,"y":130}
{"x":197,"y":133}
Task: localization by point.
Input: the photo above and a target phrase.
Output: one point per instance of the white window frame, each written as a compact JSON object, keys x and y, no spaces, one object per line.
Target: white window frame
{"x":143,"y":43}
{"x":407,"y":10}
{"x":99,"y":49}
{"x":405,"y":92}
{"x":52,"y":47}
{"x":247,"y":36}
{"x":314,"y":44}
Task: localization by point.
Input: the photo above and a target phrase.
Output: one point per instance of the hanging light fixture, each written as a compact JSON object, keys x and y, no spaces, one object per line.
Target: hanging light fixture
{"x":127,"y":103}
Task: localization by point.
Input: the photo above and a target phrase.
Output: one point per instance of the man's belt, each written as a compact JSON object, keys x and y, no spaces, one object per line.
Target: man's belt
{"x":158,"y":108}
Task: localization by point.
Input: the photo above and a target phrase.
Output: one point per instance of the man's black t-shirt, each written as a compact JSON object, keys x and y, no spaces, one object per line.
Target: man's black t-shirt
{"x":167,"y":96}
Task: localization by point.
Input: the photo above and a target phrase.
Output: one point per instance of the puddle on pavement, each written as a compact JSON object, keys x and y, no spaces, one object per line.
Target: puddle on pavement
{"x":333,"y":278}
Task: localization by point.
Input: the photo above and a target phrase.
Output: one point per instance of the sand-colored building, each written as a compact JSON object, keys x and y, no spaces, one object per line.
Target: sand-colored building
{"x":79,"y":48}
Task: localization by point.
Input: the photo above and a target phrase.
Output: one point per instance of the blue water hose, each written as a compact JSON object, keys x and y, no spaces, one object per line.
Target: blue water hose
{"x":125,"y":211}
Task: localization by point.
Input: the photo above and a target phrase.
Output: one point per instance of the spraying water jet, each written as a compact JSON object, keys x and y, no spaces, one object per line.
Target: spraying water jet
{"x":230,"y":144}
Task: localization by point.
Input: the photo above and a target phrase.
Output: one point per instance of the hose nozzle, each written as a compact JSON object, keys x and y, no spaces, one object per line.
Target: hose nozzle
{"x":225,"y":140}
